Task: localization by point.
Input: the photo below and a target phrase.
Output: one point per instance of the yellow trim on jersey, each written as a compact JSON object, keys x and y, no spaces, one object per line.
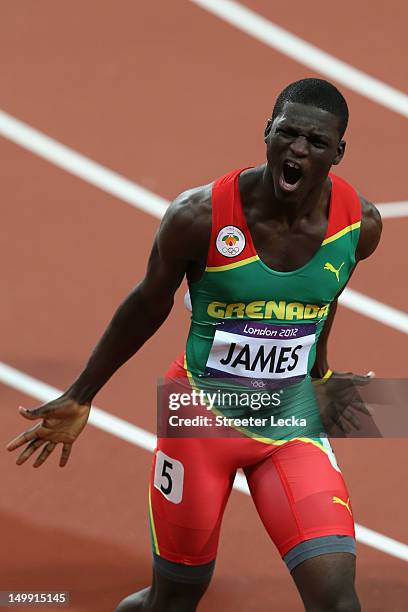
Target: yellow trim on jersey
{"x":342,"y":232}
{"x":236,"y":264}
{"x":152,"y":527}
{"x":251,"y":434}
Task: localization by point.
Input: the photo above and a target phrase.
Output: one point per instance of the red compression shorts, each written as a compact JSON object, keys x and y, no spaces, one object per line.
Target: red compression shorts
{"x":296,"y":485}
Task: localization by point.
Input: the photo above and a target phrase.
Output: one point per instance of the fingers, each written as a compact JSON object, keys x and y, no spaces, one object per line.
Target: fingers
{"x":29,"y":450}
{"x":365,"y":408}
{"x":26,"y":436}
{"x":45,"y":453}
{"x":345,"y":417}
{"x":343,"y":425}
{"x":351,"y":418}
{"x":66,"y":451}
{"x":32,"y":447}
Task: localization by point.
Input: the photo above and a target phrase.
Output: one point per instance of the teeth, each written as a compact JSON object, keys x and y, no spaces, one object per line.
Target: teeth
{"x":293,"y":165}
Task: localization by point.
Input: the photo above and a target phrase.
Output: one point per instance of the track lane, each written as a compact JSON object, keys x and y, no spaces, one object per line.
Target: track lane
{"x":355,"y":32}
{"x":187,"y":115}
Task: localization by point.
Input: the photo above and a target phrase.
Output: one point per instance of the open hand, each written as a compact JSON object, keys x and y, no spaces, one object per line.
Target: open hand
{"x":62,"y":420}
{"x":339,"y":400}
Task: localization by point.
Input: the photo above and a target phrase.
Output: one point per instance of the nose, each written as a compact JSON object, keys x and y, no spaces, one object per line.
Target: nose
{"x":300,"y":146}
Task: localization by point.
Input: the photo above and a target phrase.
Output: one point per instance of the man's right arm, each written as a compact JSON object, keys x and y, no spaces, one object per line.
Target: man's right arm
{"x":180,"y":245}
{"x":147,"y":306}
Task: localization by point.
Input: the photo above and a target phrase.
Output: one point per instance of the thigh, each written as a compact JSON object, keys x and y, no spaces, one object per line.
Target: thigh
{"x":300,"y":494}
{"x":190,"y":484}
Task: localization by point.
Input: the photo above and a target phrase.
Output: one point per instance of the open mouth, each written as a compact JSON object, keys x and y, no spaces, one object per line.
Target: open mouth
{"x":291,"y":176}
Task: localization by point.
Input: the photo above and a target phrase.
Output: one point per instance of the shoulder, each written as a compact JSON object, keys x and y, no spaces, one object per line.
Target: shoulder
{"x":187,"y":221}
{"x":371,"y":227}
{"x":190,"y":205}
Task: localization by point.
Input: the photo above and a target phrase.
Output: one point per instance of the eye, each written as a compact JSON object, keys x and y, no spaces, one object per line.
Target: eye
{"x":319,"y":144}
{"x":286,"y":133}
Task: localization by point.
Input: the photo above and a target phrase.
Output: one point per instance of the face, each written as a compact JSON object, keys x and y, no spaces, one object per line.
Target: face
{"x":302,"y":144}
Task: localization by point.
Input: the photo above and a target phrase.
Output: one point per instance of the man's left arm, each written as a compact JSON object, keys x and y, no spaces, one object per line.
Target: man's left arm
{"x":370,"y":233}
{"x":321,"y":364}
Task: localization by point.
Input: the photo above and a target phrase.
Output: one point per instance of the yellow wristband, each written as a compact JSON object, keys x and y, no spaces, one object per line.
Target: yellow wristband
{"x":327,"y":375}
{"x":325,"y":378}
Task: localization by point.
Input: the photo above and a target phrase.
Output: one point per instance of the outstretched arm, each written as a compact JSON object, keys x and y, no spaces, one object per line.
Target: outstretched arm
{"x":135,"y":321}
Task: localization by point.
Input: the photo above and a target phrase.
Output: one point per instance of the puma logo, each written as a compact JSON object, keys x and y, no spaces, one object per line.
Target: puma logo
{"x":331,"y":268}
{"x":338,"y":500}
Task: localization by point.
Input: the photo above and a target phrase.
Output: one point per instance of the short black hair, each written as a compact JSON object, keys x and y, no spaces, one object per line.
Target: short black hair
{"x":318,"y":93}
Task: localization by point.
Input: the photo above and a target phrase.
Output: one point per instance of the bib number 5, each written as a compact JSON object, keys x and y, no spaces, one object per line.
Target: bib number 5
{"x":167,"y":465}
{"x":169,"y":477}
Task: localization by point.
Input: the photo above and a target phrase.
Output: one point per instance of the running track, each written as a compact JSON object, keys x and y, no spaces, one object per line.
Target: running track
{"x":169,"y":95}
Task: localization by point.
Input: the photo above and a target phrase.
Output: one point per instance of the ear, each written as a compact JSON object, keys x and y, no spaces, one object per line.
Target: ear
{"x":340,"y":152}
{"x":267,"y":129}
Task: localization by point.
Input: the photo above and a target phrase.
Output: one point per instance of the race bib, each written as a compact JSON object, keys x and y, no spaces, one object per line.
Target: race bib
{"x":248,"y":349}
{"x":169,"y":477}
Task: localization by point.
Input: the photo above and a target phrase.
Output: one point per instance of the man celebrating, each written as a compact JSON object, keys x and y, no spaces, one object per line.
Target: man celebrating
{"x":266,"y":250}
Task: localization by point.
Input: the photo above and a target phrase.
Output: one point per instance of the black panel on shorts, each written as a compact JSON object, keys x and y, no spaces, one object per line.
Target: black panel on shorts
{"x":319,"y":546}
{"x":188,"y":574}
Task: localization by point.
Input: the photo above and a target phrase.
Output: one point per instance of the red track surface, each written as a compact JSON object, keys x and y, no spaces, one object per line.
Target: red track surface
{"x":170,"y":97}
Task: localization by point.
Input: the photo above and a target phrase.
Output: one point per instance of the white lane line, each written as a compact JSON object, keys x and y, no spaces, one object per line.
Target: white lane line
{"x":144,"y":439}
{"x":305,"y":53}
{"x":369,"y":307}
{"x":58,"y":154}
{"x":381,"y":542}
{"x":393,"y":210}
